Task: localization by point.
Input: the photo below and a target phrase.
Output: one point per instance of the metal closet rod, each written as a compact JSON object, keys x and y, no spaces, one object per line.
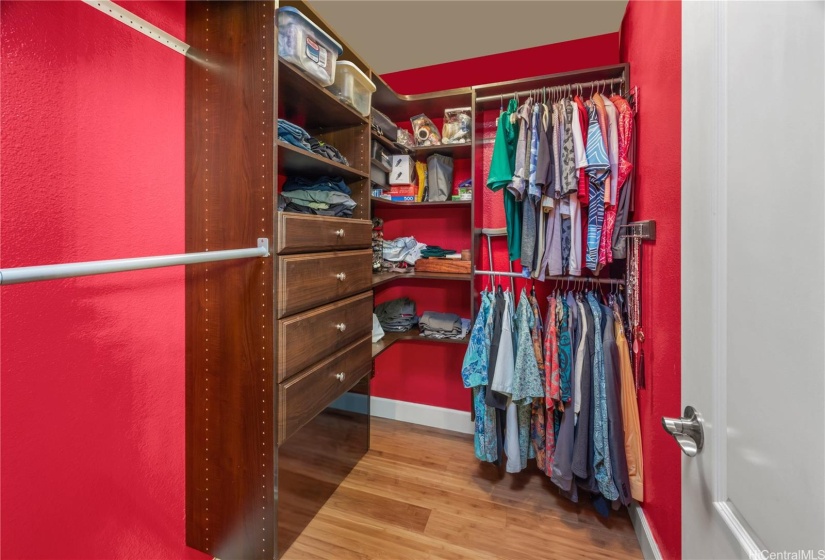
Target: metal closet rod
{"x":71,"y":270}
{"x":554,"y":278}
{"x":594,"y":83}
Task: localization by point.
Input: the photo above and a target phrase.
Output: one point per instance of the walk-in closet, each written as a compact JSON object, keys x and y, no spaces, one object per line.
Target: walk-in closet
{"x":327,"y":280}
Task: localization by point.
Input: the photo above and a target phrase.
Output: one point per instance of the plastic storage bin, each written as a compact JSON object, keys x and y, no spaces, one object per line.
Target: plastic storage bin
{"x":303,"y":44}
{"x":353,"y":87}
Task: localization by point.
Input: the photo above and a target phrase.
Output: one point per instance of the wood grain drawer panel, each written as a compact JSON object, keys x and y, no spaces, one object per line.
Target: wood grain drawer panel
{"x":307,"y":281}
{"x":299,"y":233}
{"x":303,"y":396}
{"x":305,"y":338}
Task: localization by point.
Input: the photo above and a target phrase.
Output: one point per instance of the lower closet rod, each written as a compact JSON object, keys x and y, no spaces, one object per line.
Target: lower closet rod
{"x":70,"y":270}
{"x":557,"y":278}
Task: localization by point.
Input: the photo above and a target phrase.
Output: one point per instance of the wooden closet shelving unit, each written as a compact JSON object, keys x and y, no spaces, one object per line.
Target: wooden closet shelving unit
{"x":278,"y":349}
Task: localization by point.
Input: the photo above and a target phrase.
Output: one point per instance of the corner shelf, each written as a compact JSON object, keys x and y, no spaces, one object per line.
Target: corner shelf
{"x":296,"y":161}
{"x":311,"y":105}
{"x":385,"y":277}
{"x":453,"y":150}
{"x":391,"y":338}
{"x":378,"y":201}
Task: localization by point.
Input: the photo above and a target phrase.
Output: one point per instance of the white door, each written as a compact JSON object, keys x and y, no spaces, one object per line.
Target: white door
{"x":753,"y":278}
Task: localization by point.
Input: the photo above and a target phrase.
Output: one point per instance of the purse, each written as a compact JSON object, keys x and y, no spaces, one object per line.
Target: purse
{"x":384,"y":126}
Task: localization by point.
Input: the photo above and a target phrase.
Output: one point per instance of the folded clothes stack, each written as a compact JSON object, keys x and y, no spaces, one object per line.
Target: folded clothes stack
{"x":397,"y":315}
{"x":324,"y":196}
{"x":434,"y":251}
{"x":403,"y":250}
{"x":443,"y":325}
{"x":300,"y":138}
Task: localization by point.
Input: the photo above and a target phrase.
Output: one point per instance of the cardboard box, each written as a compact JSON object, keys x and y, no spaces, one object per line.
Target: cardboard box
{"x":403,"y":190}
{"x":403,"y":198}
{"x":403,"y":170}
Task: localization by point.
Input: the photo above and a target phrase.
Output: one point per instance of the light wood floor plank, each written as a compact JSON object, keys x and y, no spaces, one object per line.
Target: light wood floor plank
{"x":421,"y":494}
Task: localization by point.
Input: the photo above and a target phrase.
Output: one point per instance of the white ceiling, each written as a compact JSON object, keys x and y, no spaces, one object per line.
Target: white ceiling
{"x":393,"y":35}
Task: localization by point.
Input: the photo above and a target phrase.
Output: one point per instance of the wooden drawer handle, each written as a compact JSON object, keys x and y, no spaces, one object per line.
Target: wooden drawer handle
{"x":341,"y":327}
{"x":340,"y":232}
{"x":341,"y":276}
{"x":340,"y":376}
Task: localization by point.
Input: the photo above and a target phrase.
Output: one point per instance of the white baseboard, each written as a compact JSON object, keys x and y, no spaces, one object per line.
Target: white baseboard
{"x":650,"y":550}
{"x":425,"y":415}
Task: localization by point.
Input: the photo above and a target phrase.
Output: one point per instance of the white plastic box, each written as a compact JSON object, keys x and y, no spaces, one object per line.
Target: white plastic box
{"x":353,"y":87}
{"x":305,"y":45}
{"x":403,"y":170}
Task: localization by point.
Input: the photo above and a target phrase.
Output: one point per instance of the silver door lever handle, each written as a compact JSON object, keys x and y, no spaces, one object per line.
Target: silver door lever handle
{"x":687,"y":431}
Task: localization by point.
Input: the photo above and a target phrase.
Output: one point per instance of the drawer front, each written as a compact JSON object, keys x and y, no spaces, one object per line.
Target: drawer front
{"x":298,"y":233}
{"x":311,"y":336}
{"x":307,"y":281}
{"x":305,"y":395}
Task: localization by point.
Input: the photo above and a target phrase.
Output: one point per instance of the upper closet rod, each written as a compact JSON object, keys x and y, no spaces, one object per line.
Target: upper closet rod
{"x":557,"y":278}
{"x":582,"y":85}
{"x":70,"y":270}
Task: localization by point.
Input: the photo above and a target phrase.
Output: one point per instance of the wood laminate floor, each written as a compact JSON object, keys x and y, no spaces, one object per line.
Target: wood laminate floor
{"x":420,"y":494}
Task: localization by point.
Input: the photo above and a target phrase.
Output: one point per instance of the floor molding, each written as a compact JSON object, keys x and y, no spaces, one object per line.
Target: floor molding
{"x":644,"y":535}
{"x":425,"y":415}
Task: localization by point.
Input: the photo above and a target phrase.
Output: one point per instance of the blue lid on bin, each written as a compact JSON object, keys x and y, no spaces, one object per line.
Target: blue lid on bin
{"x":296,"y":11}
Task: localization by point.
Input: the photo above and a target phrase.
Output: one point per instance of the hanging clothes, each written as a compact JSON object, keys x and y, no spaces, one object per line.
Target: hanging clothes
{"x":528,"y":191}
{"x":501,"y":175}
{"x":538,"y":413}
{"x":474,"y":375}
{"x":601,"y":441}
{"x":625,"y":168}
{"x":618,"y":460}
{"x":630,"y":411}
{"x":598,"y":169}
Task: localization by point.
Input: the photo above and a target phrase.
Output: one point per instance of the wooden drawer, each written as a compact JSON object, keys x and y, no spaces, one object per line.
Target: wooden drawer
{"x":307,"y":281}
{"x":311,"y":336}
{"x":299,"y":233}
{"x":305,"y":395}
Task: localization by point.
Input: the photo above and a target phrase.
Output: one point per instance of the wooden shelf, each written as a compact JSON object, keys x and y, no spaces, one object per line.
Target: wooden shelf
{"x":297,"y":161}
{"x":384,"y":277}
{"x":304,"y":102}
{"x":378,"y":201}
{"x":453,"y":150}
{"x":391,"y":338}
{"x":381,"y":166}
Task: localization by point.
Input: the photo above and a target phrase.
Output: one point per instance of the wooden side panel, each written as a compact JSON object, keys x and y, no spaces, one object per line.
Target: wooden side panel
{"x":230,"y":405}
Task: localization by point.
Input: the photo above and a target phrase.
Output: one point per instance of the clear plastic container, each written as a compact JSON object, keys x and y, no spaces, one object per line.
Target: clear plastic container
{"x":353,"y":87}
{"x":305,"y":45}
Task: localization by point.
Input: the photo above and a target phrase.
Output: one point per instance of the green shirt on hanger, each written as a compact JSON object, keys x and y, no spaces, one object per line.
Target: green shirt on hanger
{"x":501,"y":174}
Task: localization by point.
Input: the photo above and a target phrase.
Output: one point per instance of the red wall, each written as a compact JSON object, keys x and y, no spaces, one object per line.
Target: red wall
{"x":92,"y":117}
{"x":651,"y":43}
{"x":589,"y":52}
{"x":427,"y":372}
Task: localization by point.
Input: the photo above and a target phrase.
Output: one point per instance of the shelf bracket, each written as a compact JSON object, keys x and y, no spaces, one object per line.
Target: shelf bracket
{"x":138,"y":24}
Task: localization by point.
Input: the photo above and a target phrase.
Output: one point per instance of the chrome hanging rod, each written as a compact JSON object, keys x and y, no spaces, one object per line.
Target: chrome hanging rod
{"x":551,"y":278}
{"x":561,"y":87}
{"x":71,"y":270}
{"x":138,"y":24}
